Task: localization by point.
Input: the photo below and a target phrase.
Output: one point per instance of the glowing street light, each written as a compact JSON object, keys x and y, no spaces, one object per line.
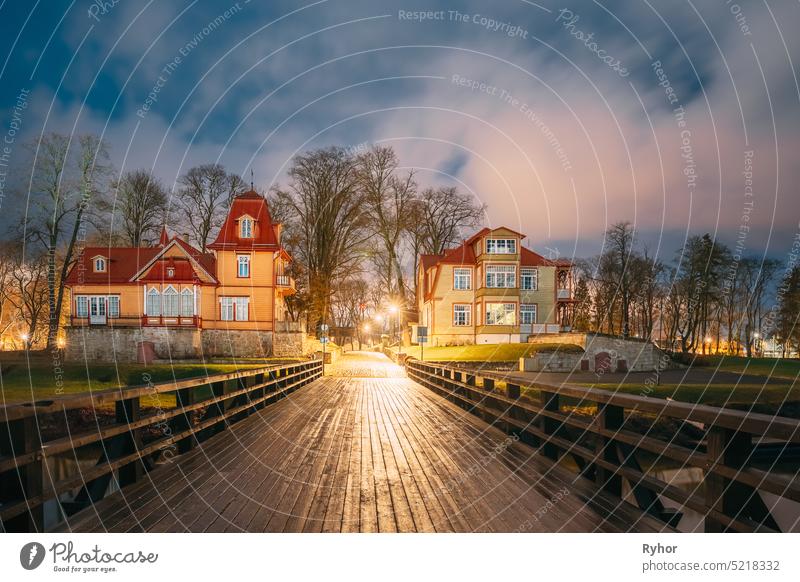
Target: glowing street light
{"x":378,"y":317}
{"x":367,"y":328}
{"x":393,"y":309}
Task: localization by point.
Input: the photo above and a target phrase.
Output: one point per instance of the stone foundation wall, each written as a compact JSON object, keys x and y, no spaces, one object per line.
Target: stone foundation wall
{"x":550,"y":362}
{"x":106,"y":344}
{"x":227,"y":343}
{"x":119,"y":344}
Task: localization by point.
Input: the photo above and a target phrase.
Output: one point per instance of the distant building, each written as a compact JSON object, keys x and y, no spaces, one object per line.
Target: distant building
{"x":491,"y":289}
{"x":187,"y":302}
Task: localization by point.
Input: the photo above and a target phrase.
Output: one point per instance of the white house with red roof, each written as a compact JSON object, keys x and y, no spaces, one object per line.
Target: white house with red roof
{"x":185,"y":302}
{"x":491,"y":289}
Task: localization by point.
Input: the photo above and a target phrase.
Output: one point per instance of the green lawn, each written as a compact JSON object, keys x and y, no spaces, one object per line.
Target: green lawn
{"x":23,"y":381}
{"x":786,"y":368}
{"x":487,"y":352}
{"x":714,"y":394}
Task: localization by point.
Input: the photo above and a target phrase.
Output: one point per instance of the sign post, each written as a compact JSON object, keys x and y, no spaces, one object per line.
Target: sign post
{"x":323,"y":337}
{"x":422,"y":339}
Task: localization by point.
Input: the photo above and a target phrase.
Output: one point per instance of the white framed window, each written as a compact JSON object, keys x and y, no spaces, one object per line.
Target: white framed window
{"x":527,"y":313}
{"x":153,"y":302}
{"x":82,"y":306}
{"x":462,"y":278}
{"x":242,"y":308}
{"x":169,"y":301}
{"x":187,"y":303}
{"x":501,"y":246}
{"x":170,"y":272}
{"x":99,"y":264}
{"x":243,"y":265}
{"x":461,"y":314}
{"x":246,"y":228}
{"x":501,"y":276}
{"x":234,"y":308}
{"x":113,"y":305}
{"x":501,"y":314}
{"x":529,"y":279}
{"x":226,"y":308}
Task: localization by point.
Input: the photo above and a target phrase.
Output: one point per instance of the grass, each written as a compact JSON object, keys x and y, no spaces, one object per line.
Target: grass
{"x":487,"y":352}
{"x":26,"y":380}
{"x":785,"y":368}
{"x":713,"y":394}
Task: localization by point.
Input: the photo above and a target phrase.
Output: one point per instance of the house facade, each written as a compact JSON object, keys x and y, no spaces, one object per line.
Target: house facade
{"x":186,"y":302}
{"x":491,"y":289}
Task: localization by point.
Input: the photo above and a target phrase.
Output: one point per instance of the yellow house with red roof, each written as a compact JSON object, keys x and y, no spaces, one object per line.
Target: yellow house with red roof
{"x":491,"y":289}
{"x":185,"y":302}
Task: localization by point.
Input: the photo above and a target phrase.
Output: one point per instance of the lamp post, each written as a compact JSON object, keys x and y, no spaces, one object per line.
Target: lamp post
{"x":396,"y":310}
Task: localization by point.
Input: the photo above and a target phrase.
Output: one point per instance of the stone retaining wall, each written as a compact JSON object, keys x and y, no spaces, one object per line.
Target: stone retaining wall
{"x":108,"y":344}
{"x":605,"y":353}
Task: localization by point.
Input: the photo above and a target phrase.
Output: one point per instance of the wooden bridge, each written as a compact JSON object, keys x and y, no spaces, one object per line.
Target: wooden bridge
{"x":366,"y":448}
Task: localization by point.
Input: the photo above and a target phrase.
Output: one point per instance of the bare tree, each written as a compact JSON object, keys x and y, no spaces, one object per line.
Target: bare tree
{"x":30,"y":297}
{"x":327,"y":220}
{"x":142,"y":205}
{"x":388,"y":198}
{"x":444,"y":215}
{"x":62,"y":191}
{"x":204,"y":196}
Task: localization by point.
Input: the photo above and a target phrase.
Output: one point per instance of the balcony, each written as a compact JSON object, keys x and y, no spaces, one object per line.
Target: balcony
{"x":285,"y":284}
{"x":171,"y":321}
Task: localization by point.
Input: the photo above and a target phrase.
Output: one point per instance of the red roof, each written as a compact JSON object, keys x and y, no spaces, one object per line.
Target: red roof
{"x":250,"y":204}
{"x":528,"y":258}
{"x":122,"y":263}
{"x":182,"y":271}
{"x":207,"y":260}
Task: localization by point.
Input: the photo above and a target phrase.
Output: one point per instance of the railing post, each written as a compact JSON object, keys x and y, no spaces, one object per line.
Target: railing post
{"x":512,"y":390}
{"x":127,"y":411}
{"x":183,"y":398}
{"x":550,"y":403}
{"x":18,"y":437}
{"x":725,"y":447}
{"x":608,"y":418}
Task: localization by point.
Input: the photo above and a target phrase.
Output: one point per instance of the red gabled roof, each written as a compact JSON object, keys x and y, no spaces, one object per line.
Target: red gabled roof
{"x":207,"y":260}
{"x":250,"y":204}
{"x":122,"y":264}
{"x":183,"y":272}
{"x":428,"y":261}
{"x":528,"y":258}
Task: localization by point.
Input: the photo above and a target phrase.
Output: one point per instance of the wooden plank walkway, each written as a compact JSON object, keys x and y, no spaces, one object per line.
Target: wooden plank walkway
{"x":362,"y":450}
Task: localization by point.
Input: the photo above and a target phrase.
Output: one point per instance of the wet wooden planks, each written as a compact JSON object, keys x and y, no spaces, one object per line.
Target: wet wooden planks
{"x":361,"y":454}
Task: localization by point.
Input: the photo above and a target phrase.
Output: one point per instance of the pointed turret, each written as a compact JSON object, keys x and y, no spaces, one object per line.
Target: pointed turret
{"x":163,"y":240}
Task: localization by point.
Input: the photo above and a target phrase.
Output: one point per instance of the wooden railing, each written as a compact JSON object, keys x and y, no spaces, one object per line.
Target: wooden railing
{"x":607,"y":449}
{"x":203,"y":407}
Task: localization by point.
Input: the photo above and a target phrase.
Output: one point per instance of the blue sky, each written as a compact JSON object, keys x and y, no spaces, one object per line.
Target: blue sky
{"x":508,"y":99}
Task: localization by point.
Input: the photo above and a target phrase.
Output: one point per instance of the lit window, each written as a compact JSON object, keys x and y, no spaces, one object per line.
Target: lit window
{"x":82,"y":306}
{"x":500,"y":314}
{"x":527,"y":313}
{"x":99,"y":264}
{"x":529,"y":279}
{"x":187,"y":303}
{"x":501,"y":246}
{"x":243,"y":268}
{"x":226,"y":308}
{"x":247,"y":228}
{"x":461,"y":315}
{"x":170,"y":302}
{"x":153,"y":302}
{"x":462,"y":278}
{"x":113,"y":305}
{"x":242,"y":308}
{"x":234,"y":308}
{"x":501,"y":276}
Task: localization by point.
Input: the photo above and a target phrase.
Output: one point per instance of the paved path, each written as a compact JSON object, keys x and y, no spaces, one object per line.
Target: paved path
{"x":363,"y":449}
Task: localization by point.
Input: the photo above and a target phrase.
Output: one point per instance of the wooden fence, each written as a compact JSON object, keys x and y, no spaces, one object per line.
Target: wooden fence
{"x":592,"y":428}
{"x":203,"y":407}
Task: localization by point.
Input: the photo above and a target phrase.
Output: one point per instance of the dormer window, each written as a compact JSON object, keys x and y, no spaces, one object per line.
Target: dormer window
{"x":501,"y":246}
{"x":99,"y":264}
{"x":246,"y":228}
